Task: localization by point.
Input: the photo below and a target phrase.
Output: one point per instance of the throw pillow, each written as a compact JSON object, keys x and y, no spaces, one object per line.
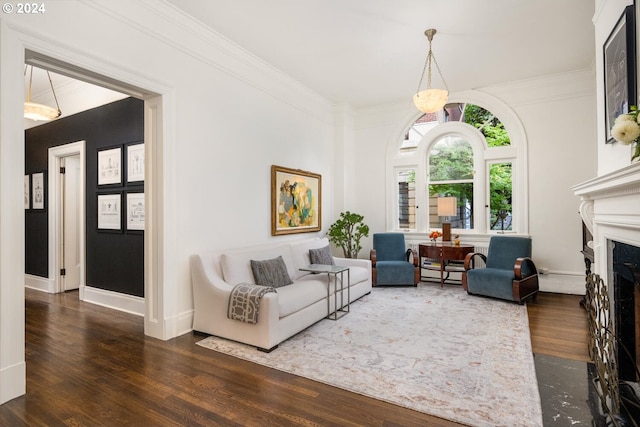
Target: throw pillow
{"x":321,"y":256}
{"x":271,"y":272}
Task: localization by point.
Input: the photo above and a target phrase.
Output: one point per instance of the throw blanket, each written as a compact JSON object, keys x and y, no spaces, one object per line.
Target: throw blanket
{"x":244,"y":302}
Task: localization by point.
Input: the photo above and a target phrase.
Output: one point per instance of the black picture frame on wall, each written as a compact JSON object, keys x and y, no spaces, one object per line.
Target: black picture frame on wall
{"x":39,"y":191}
{"x":620,"y":85}
{"x":110,"y":167}
{"x":135,"y":163}
{"x":109,"y":210}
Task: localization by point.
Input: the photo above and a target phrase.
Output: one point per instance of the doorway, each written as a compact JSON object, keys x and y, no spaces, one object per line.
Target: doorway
{"x":71,"y":217}
{"x":66,"y":219}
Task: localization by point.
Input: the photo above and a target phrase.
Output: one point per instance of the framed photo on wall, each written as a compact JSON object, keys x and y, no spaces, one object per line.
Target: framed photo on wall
{"x":135,"y":163}
{"x":110,"y":212}
{"x":110,"y":166}
{"x":620,"y":69}
{"x":135,"y":211}
{"x":27,"y":192}
{"x":38,"y":190}
{"x":296,"y":201}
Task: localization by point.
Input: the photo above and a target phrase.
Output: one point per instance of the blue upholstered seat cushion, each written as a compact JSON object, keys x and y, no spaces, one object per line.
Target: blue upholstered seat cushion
{"x":394,"y":273}
{"x":492,"y":282}
{"x":390,"y":247}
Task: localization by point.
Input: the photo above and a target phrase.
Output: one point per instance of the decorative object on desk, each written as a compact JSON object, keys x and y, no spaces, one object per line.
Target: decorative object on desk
{"x":346,"y":233}
{"x":456,"y":240}
{"x":434,"y":236}
{"x":447,"y":208}
{"x":626,"y":130}
{"x":296,"y":201}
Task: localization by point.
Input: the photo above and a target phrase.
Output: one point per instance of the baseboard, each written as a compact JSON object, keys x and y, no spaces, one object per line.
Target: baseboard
{"x":179,"y":325}
{"x":38,"y":283}
{"x":115,"y":300}
{"x":13,"y":382}
{"x":562,"y":283}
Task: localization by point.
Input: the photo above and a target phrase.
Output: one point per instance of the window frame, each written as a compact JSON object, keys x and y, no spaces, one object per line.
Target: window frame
{"x":483,"y":157}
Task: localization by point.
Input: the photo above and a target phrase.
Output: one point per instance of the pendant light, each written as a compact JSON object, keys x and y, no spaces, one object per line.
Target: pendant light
{"x":430,"y":100}
{"x":35,"y":111}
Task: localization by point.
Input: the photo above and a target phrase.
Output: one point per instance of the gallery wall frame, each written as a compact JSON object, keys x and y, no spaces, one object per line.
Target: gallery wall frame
{"x":619,"y":59}
{"x":135,"y":212}
{"x":110,"y":212}
{"x":296,"y":201}
{"x":110,"y":167}
{"x":135,"y":162}
{"x":38,"y":190}
{"x":27,"y":192}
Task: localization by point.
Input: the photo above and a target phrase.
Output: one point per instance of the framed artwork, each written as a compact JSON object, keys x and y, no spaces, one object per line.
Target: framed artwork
{"x":135,"y":163}
{"x":110,"y":166}
{"x":135,"y":211}
{"x":110,"y":212}
{"x":38,"y":190}
{"x":619,"y":69}
{"x":27,"y":192}
{"x":296,"y":201}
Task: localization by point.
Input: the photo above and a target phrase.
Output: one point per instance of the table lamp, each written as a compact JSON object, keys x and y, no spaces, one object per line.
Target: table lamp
{"x":447,"y":207}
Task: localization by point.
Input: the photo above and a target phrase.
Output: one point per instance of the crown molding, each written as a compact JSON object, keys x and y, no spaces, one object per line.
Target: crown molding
{"x":164,"y":22}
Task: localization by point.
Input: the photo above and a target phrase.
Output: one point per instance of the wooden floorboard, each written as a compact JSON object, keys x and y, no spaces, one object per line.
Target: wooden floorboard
{"x":91,"y":366}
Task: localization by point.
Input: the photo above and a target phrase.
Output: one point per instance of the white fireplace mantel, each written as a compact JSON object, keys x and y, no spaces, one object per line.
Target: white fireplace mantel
{"x":611,"y":210}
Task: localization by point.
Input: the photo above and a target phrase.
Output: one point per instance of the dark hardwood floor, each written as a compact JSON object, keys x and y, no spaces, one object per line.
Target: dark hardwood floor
{"x":91,"y":366}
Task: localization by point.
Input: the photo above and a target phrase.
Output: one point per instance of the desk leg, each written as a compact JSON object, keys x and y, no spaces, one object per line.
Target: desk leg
{"x":441,"y":273}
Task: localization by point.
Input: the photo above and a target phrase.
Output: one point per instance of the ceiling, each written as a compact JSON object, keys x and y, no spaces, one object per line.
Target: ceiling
{"x":367,"y":52}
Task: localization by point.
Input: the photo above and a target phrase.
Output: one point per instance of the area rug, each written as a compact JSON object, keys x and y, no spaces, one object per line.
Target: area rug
{"x":435,"y":350}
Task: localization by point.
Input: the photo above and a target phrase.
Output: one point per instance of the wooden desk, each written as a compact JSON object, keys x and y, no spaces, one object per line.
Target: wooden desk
{"x":438,"y":257}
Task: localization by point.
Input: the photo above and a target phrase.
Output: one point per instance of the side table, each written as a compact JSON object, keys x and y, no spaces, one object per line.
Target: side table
{"x":439,"y":257}
{"x":334,"y":270}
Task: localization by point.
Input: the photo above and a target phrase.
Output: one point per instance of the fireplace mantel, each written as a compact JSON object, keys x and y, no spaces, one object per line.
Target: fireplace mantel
{"x":623,"y":182}
{"x":610,"y":209}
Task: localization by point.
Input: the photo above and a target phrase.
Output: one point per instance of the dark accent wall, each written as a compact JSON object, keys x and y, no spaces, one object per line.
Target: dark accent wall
{"x":114,"y":260}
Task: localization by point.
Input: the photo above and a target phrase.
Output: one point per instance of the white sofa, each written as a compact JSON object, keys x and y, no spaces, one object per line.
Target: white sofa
{"x":283,"y":313}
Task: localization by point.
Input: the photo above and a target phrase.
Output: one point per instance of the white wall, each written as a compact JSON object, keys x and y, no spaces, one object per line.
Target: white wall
{"x":558,"y":116}
{"x":227,"y":117}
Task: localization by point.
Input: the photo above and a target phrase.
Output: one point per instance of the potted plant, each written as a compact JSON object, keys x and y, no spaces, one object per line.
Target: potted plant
{"x":346,"y":233}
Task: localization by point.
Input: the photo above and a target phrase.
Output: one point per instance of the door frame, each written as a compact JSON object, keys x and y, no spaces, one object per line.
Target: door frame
{"x":56,"y":216}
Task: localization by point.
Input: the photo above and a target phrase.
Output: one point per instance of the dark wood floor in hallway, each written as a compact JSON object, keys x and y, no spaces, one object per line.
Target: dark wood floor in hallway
{"x":91,"y":366}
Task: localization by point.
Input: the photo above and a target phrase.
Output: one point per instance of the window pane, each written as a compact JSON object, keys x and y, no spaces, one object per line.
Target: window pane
{"x":500,"y":188}
{"x":451,"y":158}
{"x":487,"y":123}
{"x":463,"y":192}
{"x":407,"y":199}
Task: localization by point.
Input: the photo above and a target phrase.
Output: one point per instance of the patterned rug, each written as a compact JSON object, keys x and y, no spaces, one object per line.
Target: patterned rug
{"x":438,"y":351}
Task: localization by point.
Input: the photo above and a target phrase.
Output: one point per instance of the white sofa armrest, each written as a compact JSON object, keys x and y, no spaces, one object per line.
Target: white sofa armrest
{"x":210,"y":299}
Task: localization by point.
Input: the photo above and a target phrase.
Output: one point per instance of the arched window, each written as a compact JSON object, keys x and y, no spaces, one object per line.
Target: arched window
{"x":463,"y":152}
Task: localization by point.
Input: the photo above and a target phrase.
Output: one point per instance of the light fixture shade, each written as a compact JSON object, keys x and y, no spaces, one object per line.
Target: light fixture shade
{"x":447,"y":206}
{"x":40,"y":112}
{"x":430,"y":100}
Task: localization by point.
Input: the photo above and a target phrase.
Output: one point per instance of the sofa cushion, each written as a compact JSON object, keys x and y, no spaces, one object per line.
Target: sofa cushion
{"x":236,"y":266}
{"x":271,"y":272}
{"x":321,"y":256}
{"x":301,"y":294}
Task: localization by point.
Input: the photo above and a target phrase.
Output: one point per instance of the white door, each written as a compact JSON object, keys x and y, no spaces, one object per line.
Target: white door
{"x":71,"y":218}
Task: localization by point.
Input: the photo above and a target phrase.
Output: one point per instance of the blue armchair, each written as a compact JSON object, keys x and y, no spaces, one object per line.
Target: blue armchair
{"x":510,"y":273}
{"x":391,"y":262}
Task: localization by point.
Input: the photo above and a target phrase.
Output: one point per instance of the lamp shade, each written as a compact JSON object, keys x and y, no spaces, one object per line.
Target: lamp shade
{"x":430,"y":100}
{"x":38,"y":112}
{"x":447,"y":206}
